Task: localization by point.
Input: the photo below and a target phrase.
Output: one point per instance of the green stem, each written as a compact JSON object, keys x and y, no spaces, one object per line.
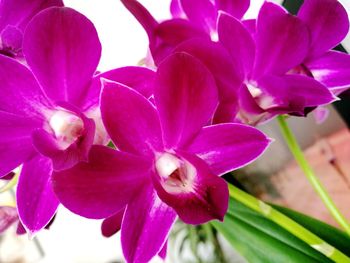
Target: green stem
{"x":290,"y":225}
{"x":315,"y":182}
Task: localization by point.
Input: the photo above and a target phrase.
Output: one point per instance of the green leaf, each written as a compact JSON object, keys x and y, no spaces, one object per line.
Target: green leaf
{"x":330,"y":234}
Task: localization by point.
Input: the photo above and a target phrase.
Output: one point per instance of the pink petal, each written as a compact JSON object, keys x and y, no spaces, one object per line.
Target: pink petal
{"x":282,"y":40}
{"x":185,"y":96}
{"x":163,"y":252}
{"x":112,"y":224}
{"x":62,"y":48}
{"x":238,"y":41}
{"x":321,"y":114}
{"x":130,"y":119}
{"x":8,"y":216}
{"x":176,"y":9}
{"x":146,"y":226}
{"x":104,"y":185}
{"x":20,"y":93}
{"x":238,"y":146}
{"x":200,"y":196}
{"x":328,"y":24}
{"x":11,"y":41}
{"x":202,"y":13}
{"x":15,"y":141}
{"x":236,"y":8}
{"x":332,"y":69}
{"x":19,"y":12}
{"x":36,"y":202}
{"x":65,"y":158}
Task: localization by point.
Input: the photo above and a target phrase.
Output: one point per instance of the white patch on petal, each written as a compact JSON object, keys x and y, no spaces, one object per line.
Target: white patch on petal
{"x":176,"y":174}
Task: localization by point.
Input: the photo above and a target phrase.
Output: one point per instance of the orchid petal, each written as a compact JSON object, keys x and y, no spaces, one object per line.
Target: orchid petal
{"x":15,"y":141}
{"x":112,"y":224}
{"x":239,"y":145}
{"x":146,"y":226}
{"x":238,"y":41}
{"x":236,"y":8}
{"x":332,"y":69}
{"x":138,"y":78}
{"x":328,"y":24}
{"x":18,"y":13}
{"x":200,"y":197}
{"x":163,"y":252}
{"x":62,"y":48}
{"x":202,"y":13}
{"x":282,"y":41}
{"x":8,"y":216}
{"x":11,"y":41}
{"x":186,"y":97}
{"x":176,"y":9}
{"x":36,"y":202}
{"x":103,"y":186}
{"x":20,"y":93}
{"x":130,"y":119}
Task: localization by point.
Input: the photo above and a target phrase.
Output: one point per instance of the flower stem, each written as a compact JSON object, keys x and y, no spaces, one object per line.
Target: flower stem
{"x":315,"y":182}
{"x":288,"y":224}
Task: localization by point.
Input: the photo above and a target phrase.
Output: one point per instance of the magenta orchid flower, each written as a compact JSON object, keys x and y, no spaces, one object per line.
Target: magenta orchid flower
{"x":44,"y":123}
{"x":328,"y":23}
{"x":167,"y":162}
{"x":14,"y":17}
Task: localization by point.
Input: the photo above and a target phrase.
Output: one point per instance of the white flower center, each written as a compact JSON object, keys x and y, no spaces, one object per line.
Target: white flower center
{"x":67,"y":127}
{"x":176,"y":175}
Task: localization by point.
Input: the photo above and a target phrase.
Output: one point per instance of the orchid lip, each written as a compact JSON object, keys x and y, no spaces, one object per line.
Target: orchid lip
{"x":176,"y":174}
{"x":66,"y":127}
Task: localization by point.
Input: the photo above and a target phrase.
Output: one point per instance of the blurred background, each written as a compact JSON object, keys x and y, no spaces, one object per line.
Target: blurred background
{"x":274,"y":177}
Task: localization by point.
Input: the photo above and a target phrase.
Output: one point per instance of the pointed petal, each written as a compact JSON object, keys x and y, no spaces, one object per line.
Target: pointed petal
{"x":202,"y":13}
{"x":328,"y":24}
{"x":169,"y":34}
{"x":20,"y":229}
{"x":111,"y":225}
{"x":163,"y":252}
{"x":293,"y":93}
{"x":239,"y":145}
{"x":8,"y":216}
{"x":130,"y":119}
{"x":18,"y":13}
{"x":20,"y":93}
{"x":282,"y":40}
{"x":146,"y":226}
{"x":15,"y":141}
{"x":65,"y":158}
{"x":236,"y":8}
{"x":331,"y":69}
{"x":36,"y":202}
{"x":104,"y":185}
{"x":62,"y":48}
{"x":138,"y":78}
{"x":203,"y":196}
{"x":185,"y":96}
{"x":238,"y":41}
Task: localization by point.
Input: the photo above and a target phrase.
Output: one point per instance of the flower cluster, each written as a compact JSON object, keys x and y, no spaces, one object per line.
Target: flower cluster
{"x":139,"y":147}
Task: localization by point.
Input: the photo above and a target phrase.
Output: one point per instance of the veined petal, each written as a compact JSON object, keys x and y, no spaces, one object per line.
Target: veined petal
{"x":282,"y":41}
{"x":111,"y":225}
{"x":186,"y":97}
{"x":130,"y":119}
{"x":146,"y":226}
{"x":15,"y":141}
{"x":236,"y":8}
{"x":36,"y":202}
{"x":331,"y":69}
{"x":238,"y":145}
{"x":328,"y":24}
{"x":176,"y":9}
{"x":140,"y":79}
{"x":186,"y":183}
{"x":62,"y":48}
{"x":20,"y":93}
{"x":202,"y":13}
{"x":8,"y":216}
{"x":18,"y":13}
{"x":103,"y":186}
{"x":238,"y":41}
